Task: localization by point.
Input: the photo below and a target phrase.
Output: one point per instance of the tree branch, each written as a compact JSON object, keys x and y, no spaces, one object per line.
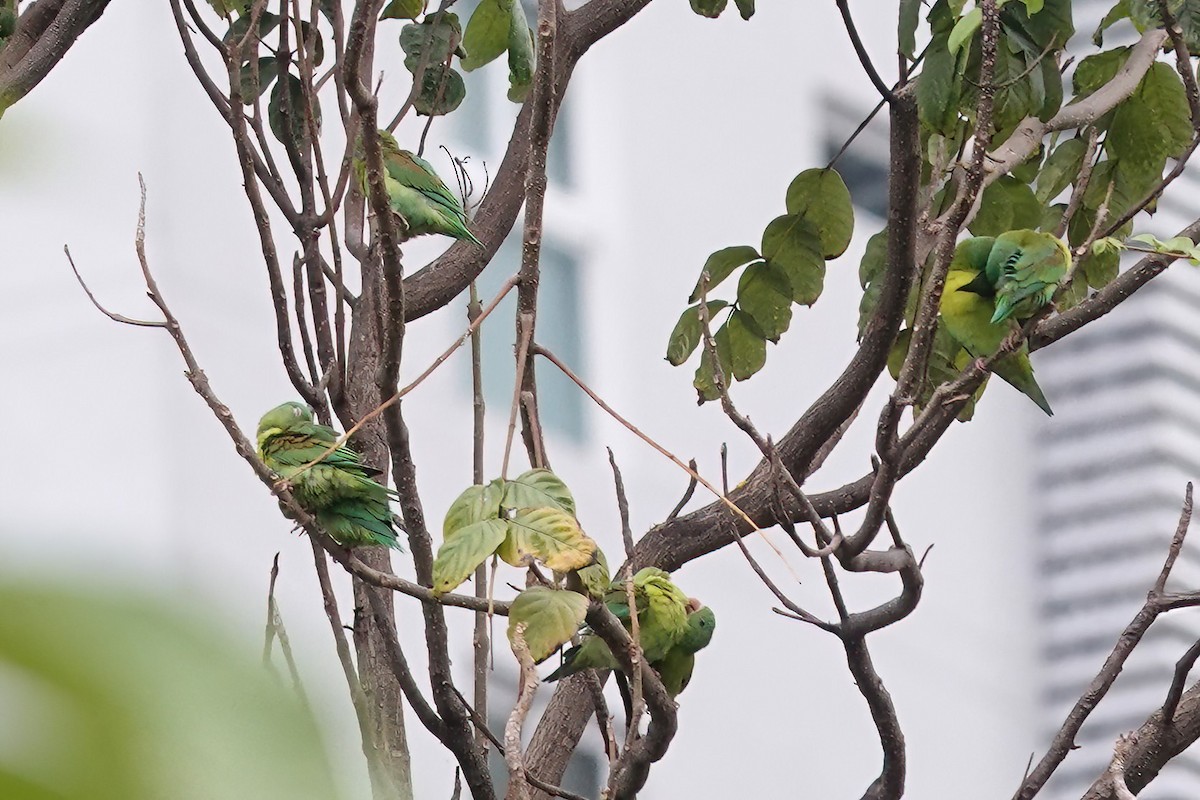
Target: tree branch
{"x":43,"y":35}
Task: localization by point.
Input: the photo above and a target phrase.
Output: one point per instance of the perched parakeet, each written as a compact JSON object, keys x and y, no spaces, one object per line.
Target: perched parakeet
{"x":676,"y":666}
{"x":416,"y":193}
{"x":1019,"y":269}
{"x":968,"y":318}
{"x":662,"y":611}
{"x":338,"y":490}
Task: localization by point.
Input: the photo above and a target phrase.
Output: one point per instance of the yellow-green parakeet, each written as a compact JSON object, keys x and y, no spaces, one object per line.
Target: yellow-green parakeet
{"x":676,"y":666}
{"x":671,"y":628}
{"x":338,"y":490}
{"x":1019,"y":269}
{"x":416,"y":193}
{"x":968,"y":318}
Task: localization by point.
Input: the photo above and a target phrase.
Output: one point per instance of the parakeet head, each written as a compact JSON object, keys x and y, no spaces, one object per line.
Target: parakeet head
{"x":283,"y":417}
{"x":387,"y":143}
{"x":700,"y":626}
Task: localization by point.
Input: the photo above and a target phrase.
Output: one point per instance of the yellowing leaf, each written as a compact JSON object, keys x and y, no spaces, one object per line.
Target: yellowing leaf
{"x":547,"y":535}
{"x":458,"y":557}
{"x":549,"y":617}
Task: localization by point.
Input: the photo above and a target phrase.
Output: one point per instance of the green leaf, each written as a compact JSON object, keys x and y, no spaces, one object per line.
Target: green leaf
{"x":765,"y":294}
{"x":821,"y":197}
{"x":486,"y":36}
{"x":266,"y":23}
{"x":705,"y":379}
{"x":721,"y":264}
{"x":1034,"y":6}
{"x":1145,"y":14}
{"x":874,"y":259}
{"x":910,"y":17}
{"x":1061,"y":169}
{"x":538,"y":488}
{"x":689,"y":332}
{"x":194,"y":714}
{"x":312,"y":38}
{"x":792,"y":243}
{"x":745,"y":8}
{"x":593,"y":579}
{"x":1115,"y":14}
{"x":441,"y":89}
{"x":520,"y":54}
{"x":938,"y":88}
{"x":550,"y":618}
{"x":747,"y":348}
{"x":460,"y":554}
{"x":285,"y":111}
{"x":965,"y":29}
{"x":268,"y":70}
{"x":475,"y":504}
{"x":1153,"y":123}
{"x":709,"y":8}
{"x":549,"y":535}
{"x":1099,"y":269}
{"x":1095,"y":71}
{"x":403,"y":9}
{"x":1007,"y":205}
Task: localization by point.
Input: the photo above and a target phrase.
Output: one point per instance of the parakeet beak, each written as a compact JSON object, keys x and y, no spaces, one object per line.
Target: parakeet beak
{"x":694,"y":605}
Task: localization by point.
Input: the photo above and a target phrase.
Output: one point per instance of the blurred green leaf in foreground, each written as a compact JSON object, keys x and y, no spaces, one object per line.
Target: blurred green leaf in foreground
{"x":110,"y":696}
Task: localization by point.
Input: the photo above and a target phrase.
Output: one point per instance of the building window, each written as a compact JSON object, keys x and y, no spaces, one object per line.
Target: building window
{"x":559,"y":328}
{"x":864,"y":165}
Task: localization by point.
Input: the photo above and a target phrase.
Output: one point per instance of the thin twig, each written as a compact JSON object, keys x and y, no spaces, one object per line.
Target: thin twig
{"x":687,"y":493}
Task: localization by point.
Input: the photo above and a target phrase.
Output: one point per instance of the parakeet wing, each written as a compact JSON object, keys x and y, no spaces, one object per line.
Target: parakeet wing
{"x":968,"y":318}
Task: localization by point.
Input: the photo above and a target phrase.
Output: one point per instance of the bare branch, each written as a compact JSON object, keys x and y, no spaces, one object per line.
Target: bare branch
{"x":1064,"y":740}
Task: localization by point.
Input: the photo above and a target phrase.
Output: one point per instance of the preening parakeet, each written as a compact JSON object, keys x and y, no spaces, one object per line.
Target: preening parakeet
{"x":968,"y":318}
{"x":676,"y":666}
{"x":416,"y":193}
{"x":671,"y":628}
{"x":338,"y":490}
{"x":1019,"y":269}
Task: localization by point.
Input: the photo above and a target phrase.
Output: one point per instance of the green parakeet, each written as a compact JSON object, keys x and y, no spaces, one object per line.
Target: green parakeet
{"x":676,"y":667}
{"x":338,"y":490}
{"x":662,"y":611}
{"x":1019,"y":269}
{"x":968,"y":318}
{"x":416,"y":193}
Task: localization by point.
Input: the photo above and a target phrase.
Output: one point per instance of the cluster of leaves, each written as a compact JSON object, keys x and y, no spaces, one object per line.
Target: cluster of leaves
{"x":528,"y":519}
{"x":1179,"y":246}
{"x":429,"y":49}
{"x":287,"y":106}
{"x":1134,"y":140}
{"x":788,"y":268}
{"x":496,"y":27}
{"x":713,"y":8}
{"x":1025,"y":75}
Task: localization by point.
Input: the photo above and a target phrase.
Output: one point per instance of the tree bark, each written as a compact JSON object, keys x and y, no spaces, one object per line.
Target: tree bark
{"x":385,"y":699}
